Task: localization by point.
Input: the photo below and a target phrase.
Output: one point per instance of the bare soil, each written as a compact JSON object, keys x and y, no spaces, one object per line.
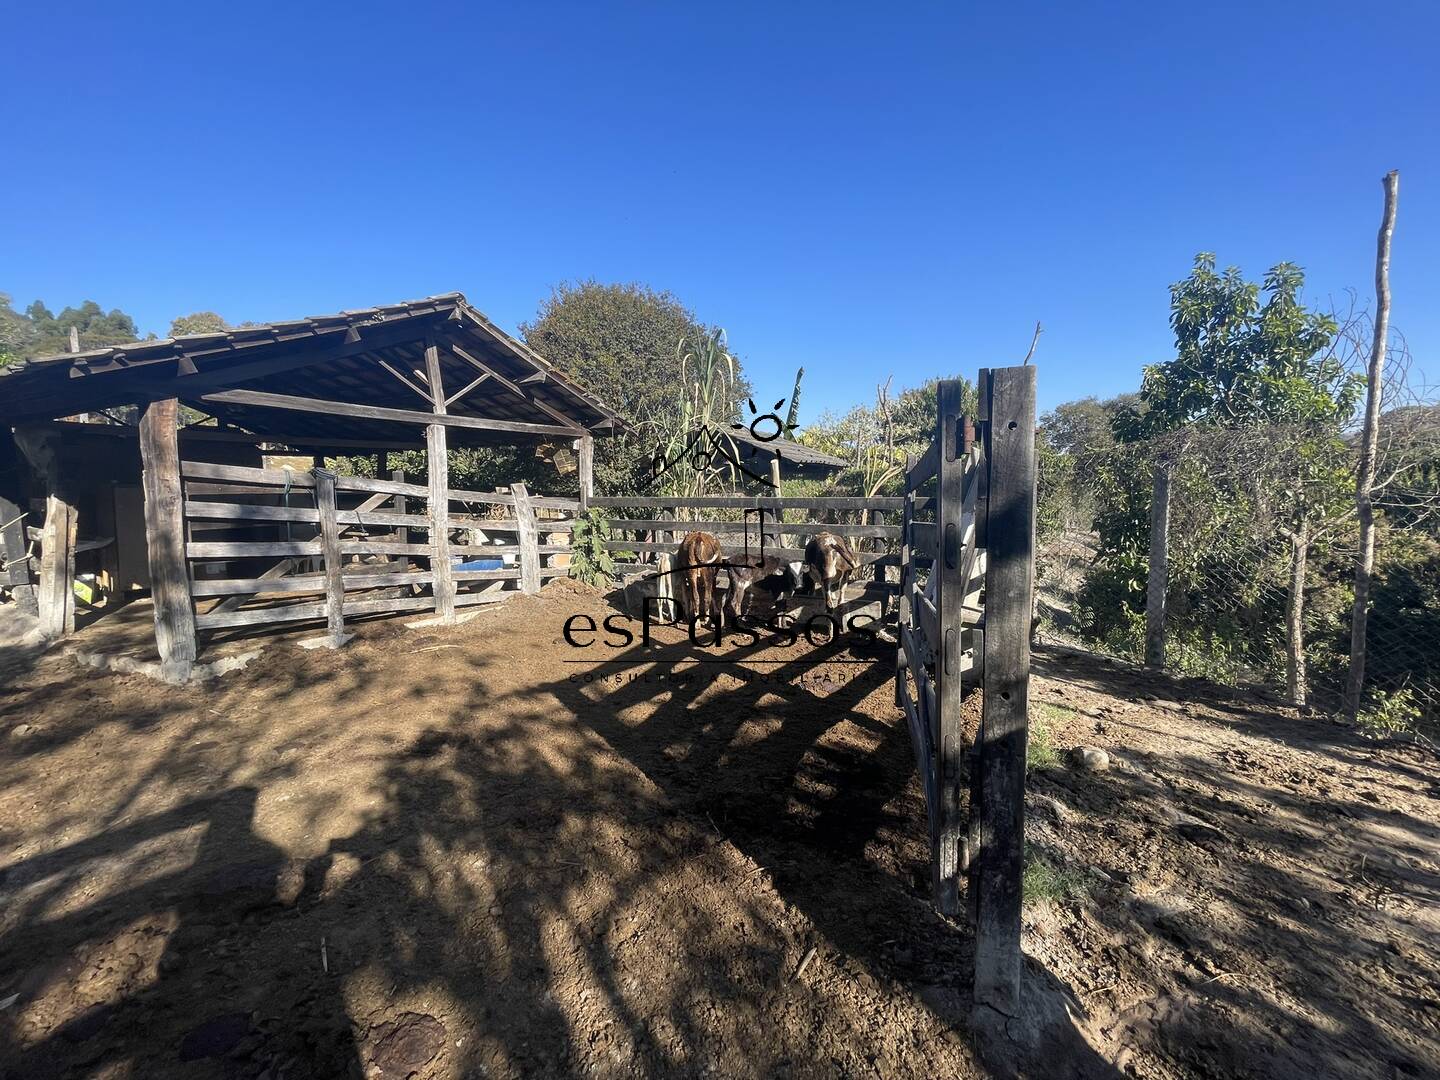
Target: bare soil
{"x":457,"y":852}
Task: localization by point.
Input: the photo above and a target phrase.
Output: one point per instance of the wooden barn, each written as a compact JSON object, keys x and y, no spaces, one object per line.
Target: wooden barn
{"x":146,"y":465}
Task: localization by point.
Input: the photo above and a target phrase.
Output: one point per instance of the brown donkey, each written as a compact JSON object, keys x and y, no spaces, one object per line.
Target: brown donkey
{"x":699,"y":564}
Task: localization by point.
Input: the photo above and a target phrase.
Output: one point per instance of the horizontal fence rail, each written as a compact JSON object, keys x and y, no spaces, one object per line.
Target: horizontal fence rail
{"x":354,"y":542}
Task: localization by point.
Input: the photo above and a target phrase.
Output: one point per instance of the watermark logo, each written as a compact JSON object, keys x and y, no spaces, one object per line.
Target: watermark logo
{"x":708,"y":448}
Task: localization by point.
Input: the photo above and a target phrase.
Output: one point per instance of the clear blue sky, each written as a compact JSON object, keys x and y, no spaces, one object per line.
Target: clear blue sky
{"x":864,"y":190}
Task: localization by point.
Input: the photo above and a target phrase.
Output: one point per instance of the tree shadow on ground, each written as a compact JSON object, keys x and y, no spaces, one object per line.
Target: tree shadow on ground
{"x":534,"y":879}
{"x":1281,"y":920}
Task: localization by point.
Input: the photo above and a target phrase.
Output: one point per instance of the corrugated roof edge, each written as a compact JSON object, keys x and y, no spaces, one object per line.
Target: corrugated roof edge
{"x":404,"y":309}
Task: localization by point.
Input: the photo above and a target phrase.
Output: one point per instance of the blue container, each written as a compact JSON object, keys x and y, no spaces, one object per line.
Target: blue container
{"x":481,"y":564}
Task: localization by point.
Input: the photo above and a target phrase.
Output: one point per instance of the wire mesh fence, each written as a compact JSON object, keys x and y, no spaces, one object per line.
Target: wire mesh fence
{"x":1258,"y":561}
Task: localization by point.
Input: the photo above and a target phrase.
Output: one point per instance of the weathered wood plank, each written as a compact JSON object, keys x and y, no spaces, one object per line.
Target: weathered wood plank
{"x":307,"y":583}
{"x":923,"y":538}
{"x":507,"y":574}
{"x":375,"y":412}
{"x":260,"y":616}
{"x":754,"y":502}
{"x":244,"y":549}
{"x":438,"y":471}
{"x":864,"y":557}
{"x":227,"y":511}
{"x":949,"y":596}
{"x":175,"y":626}
{"x":205,"y":470}
{"x":924,"y":468}
{"x":55,"y":596}
{"x":233,"y":601}
{"x":924,"y":758}
{"x":587,"y":470}
{"x":1010,"y":539}
{"x":529,"y":540}
{"x":772,"y":527}
{"x":389,"y":487}
{"x":330,"y":548}
{"x":222,"y":511}
{"x":480,"y":365}
{"x":469,"y":599}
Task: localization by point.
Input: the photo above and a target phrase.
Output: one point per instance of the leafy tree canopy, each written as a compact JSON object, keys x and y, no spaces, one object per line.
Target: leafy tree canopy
{"x":1085,"y":426}
{"x":1243,"y":358}
{"x":201,"y":322}
{"x":49,"y":335}
{"x":622,"y":342}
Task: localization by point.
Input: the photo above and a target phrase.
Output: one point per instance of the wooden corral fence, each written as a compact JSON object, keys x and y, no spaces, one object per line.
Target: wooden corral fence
{"x":967,"y":574}
{"x":263,"y":544}
{"x":785,"y":524}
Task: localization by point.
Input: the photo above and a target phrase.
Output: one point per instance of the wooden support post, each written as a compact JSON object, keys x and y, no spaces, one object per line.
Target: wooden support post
{"x":529,"y":540}
{"x":1158,"y":580}
{"x":1009,"y":584}
{"x":902,"y":617}
{"x":587,"y":471}
{"x":440,"y":564}
{"x":330,"y":547}
{"x":948,"y":572}
{"x":402,"y":534}
{"x":165,"y":538}
{"x":55,"y":600}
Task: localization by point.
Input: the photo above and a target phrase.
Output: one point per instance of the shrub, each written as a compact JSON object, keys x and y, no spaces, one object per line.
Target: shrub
{"x":1390,"y":713}
{"x":590,"y":562}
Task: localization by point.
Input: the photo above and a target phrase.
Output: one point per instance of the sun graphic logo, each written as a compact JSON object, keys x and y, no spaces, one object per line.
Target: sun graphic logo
{"x":709,"y":449}
{"x":781,"y":428}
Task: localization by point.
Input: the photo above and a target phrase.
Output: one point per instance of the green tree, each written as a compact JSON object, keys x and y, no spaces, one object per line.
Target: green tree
{"x":15,"y":333}
{"x":622,"y":342}
{"x":1250,"y":358}
{"x":50,"y":334}
{"x":201,"y":322}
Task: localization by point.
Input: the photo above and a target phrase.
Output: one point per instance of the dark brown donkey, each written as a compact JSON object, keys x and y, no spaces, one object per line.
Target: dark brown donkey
{"x":698,"y":564}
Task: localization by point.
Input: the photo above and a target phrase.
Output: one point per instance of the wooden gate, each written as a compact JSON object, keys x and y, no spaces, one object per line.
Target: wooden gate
{"x":967,"y":575}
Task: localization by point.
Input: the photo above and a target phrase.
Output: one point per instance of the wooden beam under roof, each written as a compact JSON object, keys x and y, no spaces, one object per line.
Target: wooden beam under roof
{"x":480,"y":365}
{"x":376,"y":412}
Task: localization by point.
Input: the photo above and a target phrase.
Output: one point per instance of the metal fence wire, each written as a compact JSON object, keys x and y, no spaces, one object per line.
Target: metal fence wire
{"x":1258,"y":561}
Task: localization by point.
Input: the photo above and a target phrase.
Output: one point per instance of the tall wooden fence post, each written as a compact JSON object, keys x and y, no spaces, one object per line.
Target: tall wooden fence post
{"x":1009,"y":584}
{"x":330,"y":548}
{"x":438,"y":470}
{"x":587,"y":471}
{"x":402,"y":534}
{"x":529,"y":540}
{"x":1156,"y":583}
{"x":949,"y":598}
{"x":165,"y":538}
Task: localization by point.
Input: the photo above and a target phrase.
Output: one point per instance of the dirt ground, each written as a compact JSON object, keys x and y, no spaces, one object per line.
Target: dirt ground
{"x":476,"y":851}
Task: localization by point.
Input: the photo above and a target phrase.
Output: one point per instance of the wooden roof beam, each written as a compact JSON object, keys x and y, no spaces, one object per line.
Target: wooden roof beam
{"x":571,"y":425}
{"x":429,"y":399}
{"x":375,"y":412}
